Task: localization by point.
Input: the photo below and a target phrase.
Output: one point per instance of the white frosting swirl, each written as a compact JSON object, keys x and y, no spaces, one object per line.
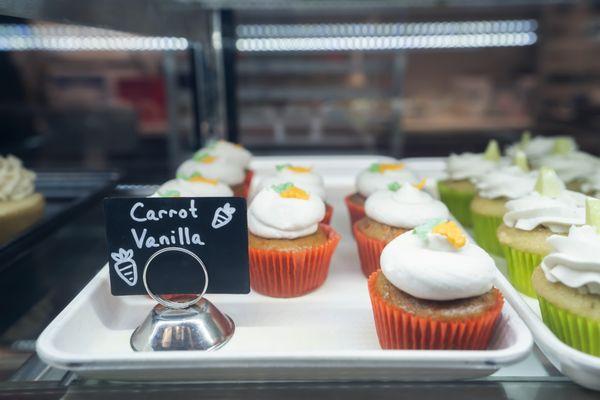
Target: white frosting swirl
{"x":429,"y":270}
{"x":229,"y":173}
{"x":274,"y":217}
{"x":317,"y":190}
{"x":230,"y":152}
{"x":187,"y":188}
{"x":510,"y":182}
{"x":572,"y":166}
{"x":555,"y":213}
{"x":405,"y":208}
{"x":16,"y":182}
{"x":538,"y":147}
{"x":575,"y":262}
{"x":468,"y":166}
{"x":369,"y":181}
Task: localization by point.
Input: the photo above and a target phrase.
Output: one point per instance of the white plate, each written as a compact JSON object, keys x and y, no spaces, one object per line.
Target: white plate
{"x":326,"y":335}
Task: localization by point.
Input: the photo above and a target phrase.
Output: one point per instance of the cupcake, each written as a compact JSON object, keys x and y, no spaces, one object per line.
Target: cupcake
{"x":434,"y":291}
{"x":233,"y":153}
{"x":530,"y":220}
{"x":290,"y":250}
{"x":389,"y":213}
{"x":378,"y":176}
{"x":540,"y":146}
{"x":591,"y":184}
{"x":20,"y":205}
{"x":572,"y":168}
{"x":304,"y":178}
{"x":493,"y":191}
{"x":567,"y":284}
{"x":458,"y":190}
{"x":213,"y":167}
{"x":194,"y":186}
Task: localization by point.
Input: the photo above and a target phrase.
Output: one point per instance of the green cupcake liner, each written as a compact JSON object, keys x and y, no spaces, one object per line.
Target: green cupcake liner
{"x":520,"y":266}
{"x":484,"y":231}
{"x":459,"y":203}
{"x":578,"y":332}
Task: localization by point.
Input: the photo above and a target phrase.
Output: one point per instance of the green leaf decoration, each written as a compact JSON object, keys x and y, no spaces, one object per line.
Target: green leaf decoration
{"x":181,"y":175}
{"x":283,"y":187}
{"x":492,"y":151}
{"x":170,"y":193}
{"x":592,"y":212}
{"x":394,"y":186}
{"x":281,"y":167}
{"x":200,"y":155}
{"x":548,"y":183}
{"x":374,"y":167}
{"x":520,"y":161}
{"x":423,"y":230}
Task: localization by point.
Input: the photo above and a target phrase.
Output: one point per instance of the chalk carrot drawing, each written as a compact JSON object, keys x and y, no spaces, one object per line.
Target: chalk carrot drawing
{"x":125,"y":266}
{"x":223,"y":216}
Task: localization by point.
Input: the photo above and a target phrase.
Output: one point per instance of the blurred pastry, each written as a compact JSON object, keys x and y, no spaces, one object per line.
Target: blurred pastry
{"x":213,"y":167}
{"x":193,"y":186}
{"x":20,"y":205}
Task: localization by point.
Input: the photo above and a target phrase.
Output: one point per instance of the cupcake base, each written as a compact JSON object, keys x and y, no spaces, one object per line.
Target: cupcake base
{"x":356,"y":207}
{"x":292,"y":273}
{"x":328,"y":214}
{"x":399,"y":329}
{"x":457,"y":196}
{"x":370,"y":248}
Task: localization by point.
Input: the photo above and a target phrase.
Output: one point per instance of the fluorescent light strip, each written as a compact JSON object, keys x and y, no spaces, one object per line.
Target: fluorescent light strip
{"x":386,"y":43}
{"x":390,"y":29}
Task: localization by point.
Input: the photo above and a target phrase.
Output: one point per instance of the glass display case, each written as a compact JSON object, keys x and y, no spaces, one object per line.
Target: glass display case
{"x":107,"y":99}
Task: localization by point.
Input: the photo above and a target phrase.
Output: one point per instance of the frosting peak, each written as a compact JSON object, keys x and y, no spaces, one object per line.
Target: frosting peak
{"x":405,"y":207}
{"x":16,"y":182}
{"x":193,"y":187}
{"x":509,"y":182}
{"x":574,"y":261}
{"x":428,"y":267}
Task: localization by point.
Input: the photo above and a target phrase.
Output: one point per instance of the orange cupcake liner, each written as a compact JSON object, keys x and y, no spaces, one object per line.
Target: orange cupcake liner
{"x":292,"y":273}
{"x":248,"y":181}
{"x":398,"y":329}
{"x":356,"y":211}
{"x":328,"y":214}
{"x":369,"y":251}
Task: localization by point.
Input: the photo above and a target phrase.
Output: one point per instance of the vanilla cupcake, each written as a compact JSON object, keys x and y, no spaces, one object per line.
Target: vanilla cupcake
{"x":530,"y":220}
{"x":494,"y":189}
{"x":389,"y":213}
{"x":572,"y":168}
{"x":433,"y":283}
{"x":458,"y":190}
{"x":290,"y":250}
{"x":213,"y":167}
{"x":567,"y":284}
{"x":377,"y":177}
{"x":20,"y":205}
{"x":194,"y":186}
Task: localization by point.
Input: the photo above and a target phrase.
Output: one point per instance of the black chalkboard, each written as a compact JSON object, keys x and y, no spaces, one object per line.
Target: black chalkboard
{"x":213,"y":228}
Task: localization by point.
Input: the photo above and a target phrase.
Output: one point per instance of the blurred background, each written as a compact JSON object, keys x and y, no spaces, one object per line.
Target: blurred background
{"x":406,"y":81}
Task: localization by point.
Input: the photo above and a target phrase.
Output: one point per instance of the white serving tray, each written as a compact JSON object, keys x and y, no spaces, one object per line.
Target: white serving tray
{"x":326,"y":335}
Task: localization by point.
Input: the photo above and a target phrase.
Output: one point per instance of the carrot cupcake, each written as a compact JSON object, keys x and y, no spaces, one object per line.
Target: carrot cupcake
{"x":194,"y":186}
{"x":389,"y":213}
{"x":458,"y":190}
{"x":214,"y":167}
{"x":434,"y":291}
{"x":567,"y":284}
{"x":234,"y":153}
{"x":20,"y":205}
{"x":530,"y":220}
{"x":289,"y":249}
{"x":494,"y":189}
{"x":378,"y":176}
{"x":304,"y":178}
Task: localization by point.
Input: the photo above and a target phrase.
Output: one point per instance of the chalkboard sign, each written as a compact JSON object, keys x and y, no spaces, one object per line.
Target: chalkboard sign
{"x":213,"y":228}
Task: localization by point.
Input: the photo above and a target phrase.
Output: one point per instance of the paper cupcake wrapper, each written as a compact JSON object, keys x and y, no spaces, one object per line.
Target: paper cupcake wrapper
{"x":398,"y":329}
{"x":574,"y":330}
{"x":356,"y":211}
{"x":484,"y":231}
{"x":520,"y":265}
{"x":459,"y":203}
{"x":292,"y":273}
{"x":247,"y":182}
{"x":369,"y":251}
{"x":328,"y":214}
